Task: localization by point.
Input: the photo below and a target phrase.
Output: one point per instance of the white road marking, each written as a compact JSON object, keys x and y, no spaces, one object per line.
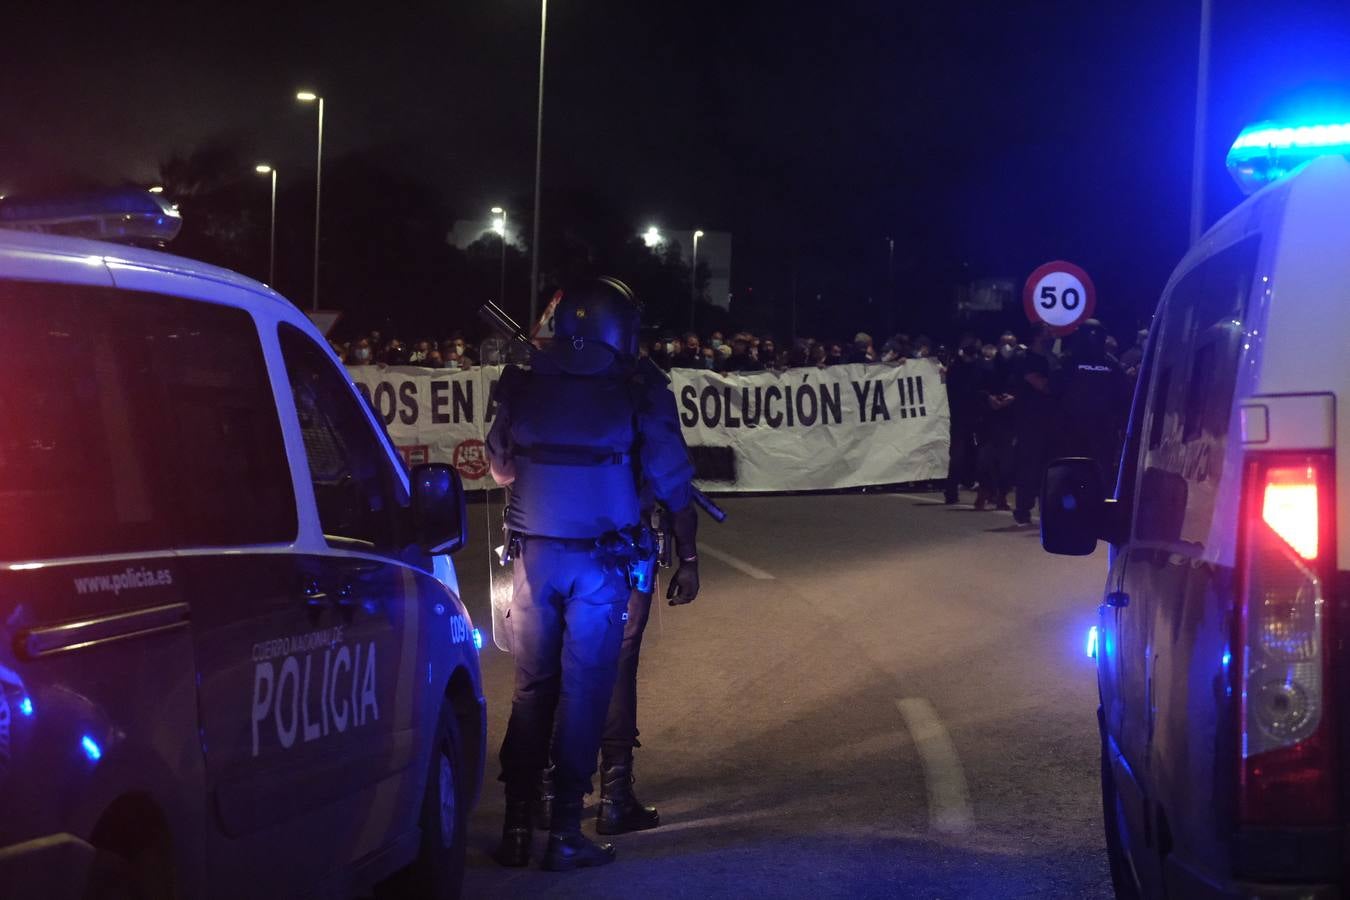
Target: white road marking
{"x":948,"y":796}
{"x":739,"y":565}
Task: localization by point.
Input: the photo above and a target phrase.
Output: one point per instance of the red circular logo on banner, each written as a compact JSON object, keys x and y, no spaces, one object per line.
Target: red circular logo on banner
{"x":471,"y":459}
{"x":1061,"y":295}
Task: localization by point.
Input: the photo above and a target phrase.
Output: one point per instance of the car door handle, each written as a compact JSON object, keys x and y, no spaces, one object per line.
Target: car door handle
{"x":1118,"y":599}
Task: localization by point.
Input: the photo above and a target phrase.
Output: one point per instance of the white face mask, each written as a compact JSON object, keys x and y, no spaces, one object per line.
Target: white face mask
{"x":1006,"y":351}
{"x":716,"y":343}
{"x":362,"y":353}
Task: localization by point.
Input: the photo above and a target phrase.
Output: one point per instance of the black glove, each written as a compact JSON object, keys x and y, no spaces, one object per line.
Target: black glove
{"x":683,"y":584}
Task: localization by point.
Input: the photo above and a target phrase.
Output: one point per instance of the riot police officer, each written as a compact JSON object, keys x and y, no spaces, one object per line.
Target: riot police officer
{"x":573,"y":437}
{"x":1094,"y":398}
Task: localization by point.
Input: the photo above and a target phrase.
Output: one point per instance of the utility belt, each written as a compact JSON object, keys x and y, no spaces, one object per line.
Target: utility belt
{"x":632,"y":552}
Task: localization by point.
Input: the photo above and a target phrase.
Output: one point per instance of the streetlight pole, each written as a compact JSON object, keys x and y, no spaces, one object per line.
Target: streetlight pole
{"x":264,"y":169}
{"x":890,"y":284}
{"x":310,"y":97}
{"x":500,"y":227}
{"x":693,"y":282}
{"x":538,"y":168}
{"x":1201,"y":121}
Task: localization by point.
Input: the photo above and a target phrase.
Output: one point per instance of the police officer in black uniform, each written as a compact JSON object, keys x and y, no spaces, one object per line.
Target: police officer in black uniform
{"x":1093,"y":400}
{"x":573,"y":437}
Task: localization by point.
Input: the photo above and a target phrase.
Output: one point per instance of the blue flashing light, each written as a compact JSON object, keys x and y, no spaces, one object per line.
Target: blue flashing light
{"x":1268,"y":151}
{"x":1227,"y":658}
{"x":91,"y":748}
{"x":1092,"y":642}
{"x":477,"y":640}
{"x":26,"y":706}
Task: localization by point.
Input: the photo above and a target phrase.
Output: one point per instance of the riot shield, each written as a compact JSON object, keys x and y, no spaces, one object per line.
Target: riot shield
{"x":500,"y":579}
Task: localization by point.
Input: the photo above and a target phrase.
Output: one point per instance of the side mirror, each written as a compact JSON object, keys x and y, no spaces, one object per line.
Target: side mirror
{"x":1073,"y":507}
{"x":439,"y":511}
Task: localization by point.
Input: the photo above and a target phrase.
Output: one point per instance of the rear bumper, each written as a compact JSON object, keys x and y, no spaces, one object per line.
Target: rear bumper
{"x":1183,"y":881}
{"x":53,"y":866}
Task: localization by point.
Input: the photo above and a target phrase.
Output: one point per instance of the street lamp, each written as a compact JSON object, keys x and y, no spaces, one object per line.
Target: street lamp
{"x":652,"y":237}
{"x":311,"y":97}
{"x":499,"y":226}
{"x":538,"y":167}
{"x":157,"y":189}
{"x":693,"y":282}
{"x":265,"y":169}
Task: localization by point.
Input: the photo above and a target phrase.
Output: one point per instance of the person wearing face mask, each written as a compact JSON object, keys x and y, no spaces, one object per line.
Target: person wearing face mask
{"x":715,"y":340}
{"x":690,"y":355}
{"x":998,"y":434}
{"x":360,"y":353}
{"x":419,"y":353}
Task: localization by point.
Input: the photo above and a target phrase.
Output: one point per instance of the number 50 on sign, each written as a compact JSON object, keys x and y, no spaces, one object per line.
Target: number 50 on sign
{"x":1061,"y":295}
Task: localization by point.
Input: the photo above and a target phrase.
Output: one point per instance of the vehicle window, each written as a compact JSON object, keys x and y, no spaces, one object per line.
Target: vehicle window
{"x":134,"y":422}
{"x":354,"y":485}
{"x":1202,"y":341}
{"x":1135,"y":428}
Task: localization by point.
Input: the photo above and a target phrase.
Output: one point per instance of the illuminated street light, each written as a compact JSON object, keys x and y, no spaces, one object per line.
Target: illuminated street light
{"x":310,"y":97}
{"x":693,"y":280}
{"x":652,"y":237}
{"x":499,"y":226}
{"x":264,"y":169}
{"x":157,"y":189}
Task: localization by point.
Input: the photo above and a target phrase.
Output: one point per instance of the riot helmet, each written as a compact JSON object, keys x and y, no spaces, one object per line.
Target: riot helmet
{"x":1089,"y":343}
{"x":595,"y":324}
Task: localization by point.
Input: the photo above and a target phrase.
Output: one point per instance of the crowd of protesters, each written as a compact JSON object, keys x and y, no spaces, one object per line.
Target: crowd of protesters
{"x":1014,"y":405}
{"x":374,"y":349}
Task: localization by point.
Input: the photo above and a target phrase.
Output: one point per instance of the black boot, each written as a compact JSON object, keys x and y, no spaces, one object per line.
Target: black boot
{"x":568,"y":848}
{"x":517,"y":835}
{"x":543,"y":803}
{"x":620,"y":809}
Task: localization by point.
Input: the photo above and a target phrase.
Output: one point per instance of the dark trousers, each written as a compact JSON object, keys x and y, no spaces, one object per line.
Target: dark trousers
{"x":960,"y":459}
{"x":997,"y":449}
{"x":621,"y":731}
{"x":566,"y":623}
{"x":1033,"y":452}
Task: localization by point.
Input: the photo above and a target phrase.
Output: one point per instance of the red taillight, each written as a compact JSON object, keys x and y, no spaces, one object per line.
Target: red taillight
{"x":1287,"y":771}
{"x":1289,"y":507}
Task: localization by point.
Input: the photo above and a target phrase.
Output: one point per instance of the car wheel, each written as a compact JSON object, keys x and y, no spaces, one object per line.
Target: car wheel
{"x":439,"y":869}
{"x":1122,"y":874}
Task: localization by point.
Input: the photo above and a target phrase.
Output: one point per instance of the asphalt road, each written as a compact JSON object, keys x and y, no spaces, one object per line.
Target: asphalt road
{"x":874,"y":696}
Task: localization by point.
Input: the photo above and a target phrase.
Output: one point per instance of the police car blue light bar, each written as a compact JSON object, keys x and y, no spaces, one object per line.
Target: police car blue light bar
{"x":127,"y":215}
{"x":1268,"y":151}
{"x":91,"y":748}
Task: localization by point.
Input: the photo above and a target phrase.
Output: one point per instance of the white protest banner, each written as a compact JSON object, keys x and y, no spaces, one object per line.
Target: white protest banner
{"x":799,"y":430}
{"x":817,"y":429}
{"x":435,"y":415}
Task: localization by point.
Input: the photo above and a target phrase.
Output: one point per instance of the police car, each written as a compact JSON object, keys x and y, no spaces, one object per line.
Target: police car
{"x":1222,"y":656}
{"x":233,"y":659}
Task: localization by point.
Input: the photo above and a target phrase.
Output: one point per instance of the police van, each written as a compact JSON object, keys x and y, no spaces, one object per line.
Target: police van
{"x":1222,"y":657}
{"x":233,"y":658}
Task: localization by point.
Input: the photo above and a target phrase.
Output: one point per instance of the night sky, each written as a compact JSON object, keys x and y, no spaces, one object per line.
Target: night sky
{"x":987,"y":138}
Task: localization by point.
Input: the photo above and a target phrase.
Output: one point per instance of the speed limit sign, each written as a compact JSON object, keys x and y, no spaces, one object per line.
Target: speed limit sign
{"x":1061,"y":295}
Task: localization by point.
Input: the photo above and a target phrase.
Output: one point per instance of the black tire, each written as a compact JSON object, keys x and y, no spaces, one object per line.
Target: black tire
{"x":438,"y":873}
{"x":1122,"y":875}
